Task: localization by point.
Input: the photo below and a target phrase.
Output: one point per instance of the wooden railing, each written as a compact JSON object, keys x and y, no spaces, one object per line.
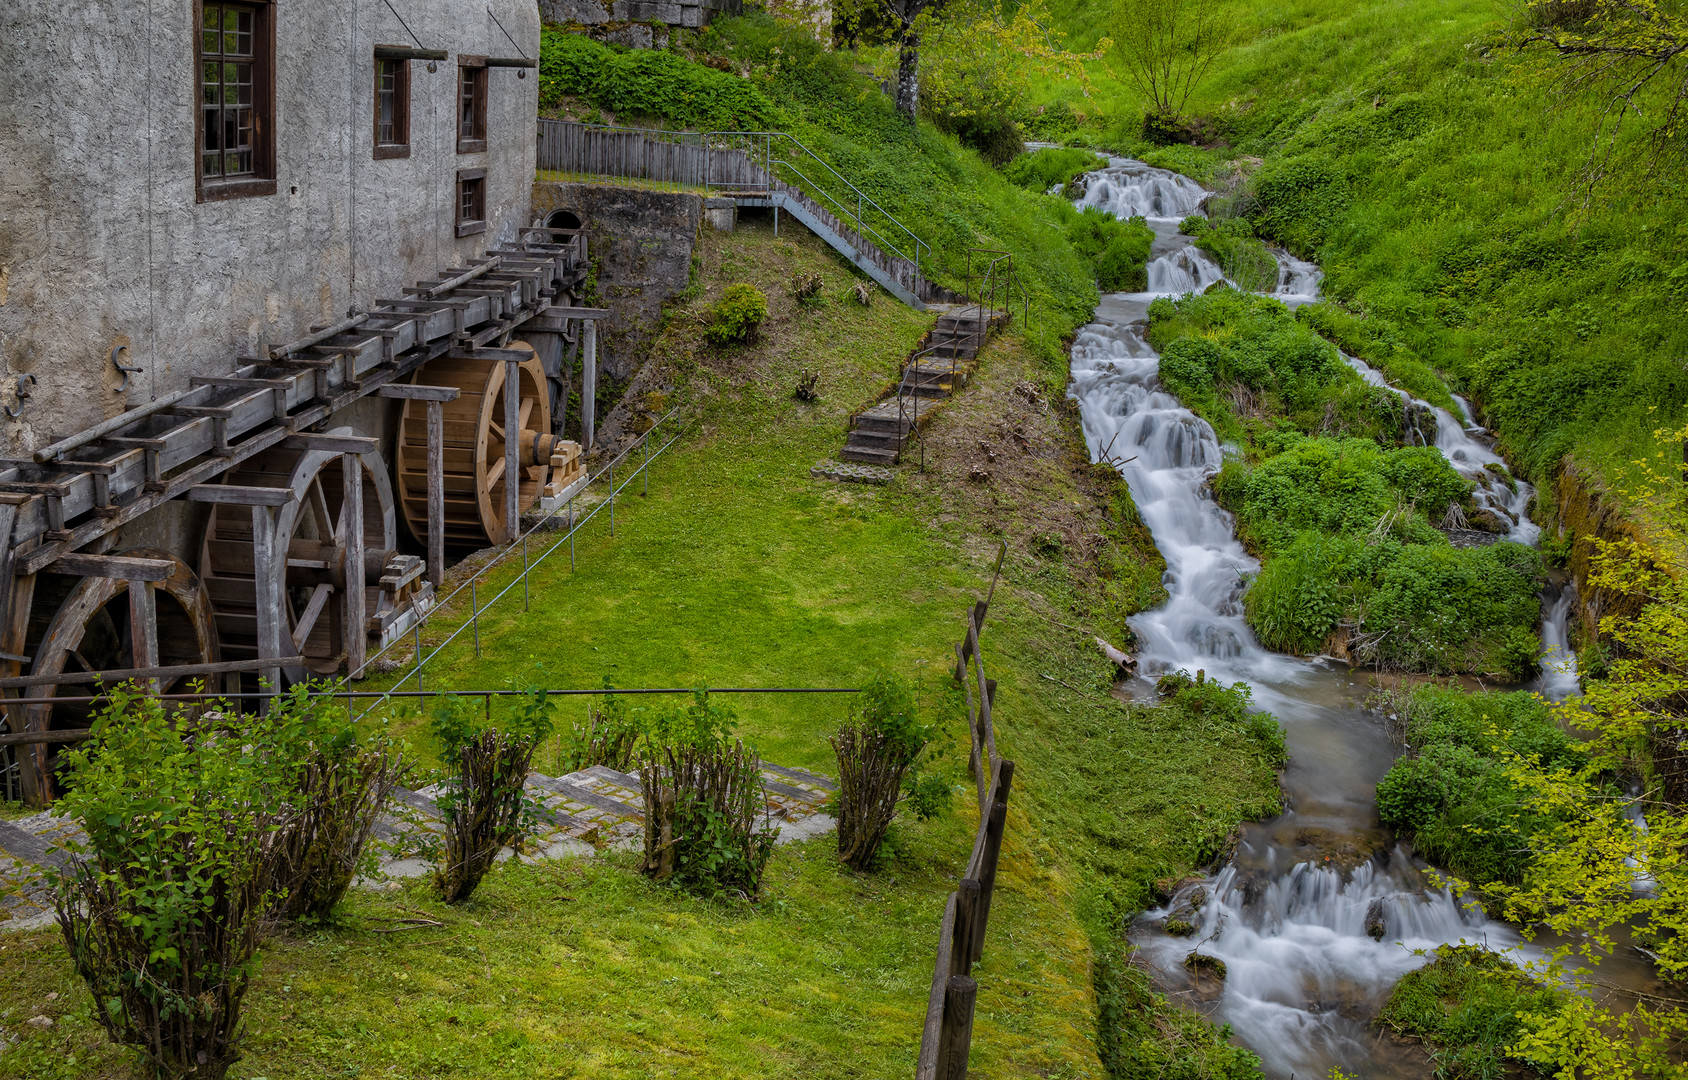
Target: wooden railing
{"x":948,"y":1035}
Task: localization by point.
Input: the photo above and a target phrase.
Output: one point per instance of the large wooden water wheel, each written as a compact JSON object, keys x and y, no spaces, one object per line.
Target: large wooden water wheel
{"x":83,"y":624}
{"x":474,"y":459}
{"x":312,"y":531}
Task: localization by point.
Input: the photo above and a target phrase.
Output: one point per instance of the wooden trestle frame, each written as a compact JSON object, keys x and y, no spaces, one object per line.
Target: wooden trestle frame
{"x":74,"y":494}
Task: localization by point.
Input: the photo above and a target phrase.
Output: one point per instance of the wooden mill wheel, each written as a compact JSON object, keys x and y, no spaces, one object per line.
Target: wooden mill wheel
{"x":312,"y":531}
{"x":474,"y":448}
{"x":82,"y":624}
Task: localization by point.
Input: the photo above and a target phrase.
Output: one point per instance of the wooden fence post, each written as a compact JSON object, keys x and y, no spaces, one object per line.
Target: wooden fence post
{"x":993,"y":851}
{"x":956,"y":1038}
{"x":966,"y":915}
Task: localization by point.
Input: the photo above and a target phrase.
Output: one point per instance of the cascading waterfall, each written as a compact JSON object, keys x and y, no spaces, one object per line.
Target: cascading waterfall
{"x":1558,"y":662}
{"x":1316,"y":916}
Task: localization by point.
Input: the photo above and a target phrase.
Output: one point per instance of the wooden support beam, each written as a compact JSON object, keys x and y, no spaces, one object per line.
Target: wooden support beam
{"x":589,"y":387}
{"x":414,"y":392}
{"x":168,"y":672}
{"x":266,"y":575}
{"x":512,"y":441}
{"x":334,"y":444}
{"x":239,"y":495}
{"x":37,"y":781}
{"x":436,"y":494}
{"x":143,"y":628}
{"x":351,"y":540}
{"x":515,"y":355}
{"x":121,"y":567}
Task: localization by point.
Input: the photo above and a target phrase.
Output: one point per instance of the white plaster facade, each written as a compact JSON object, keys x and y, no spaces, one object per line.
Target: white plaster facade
{"x":104,"y":243}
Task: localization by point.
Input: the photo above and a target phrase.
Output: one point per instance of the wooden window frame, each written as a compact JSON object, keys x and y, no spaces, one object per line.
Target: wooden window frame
{"x":470,"y":226}
{"x":400,"y":147}
{"x":474,"y":69}
{"x":262,"y":181}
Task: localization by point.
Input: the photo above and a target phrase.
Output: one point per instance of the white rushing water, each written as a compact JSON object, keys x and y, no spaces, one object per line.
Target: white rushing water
{"x":1290,"y":915}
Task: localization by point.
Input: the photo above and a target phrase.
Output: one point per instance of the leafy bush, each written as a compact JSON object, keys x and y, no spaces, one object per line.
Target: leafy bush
{"x":1119,"y":250}
{"x":703,"y":794}
{"x":1467,"y":1005}
{"x":648,"y":82}
{"x":875,"y":748}
{"x":1244,"y":259}
{"x":1140,"y":1034}
{"x":1054,"y":167}
{"x":736,"y":316}
{"x":1451,"y":794}
{"x":343,"y":779}
{"x":1210,"y":699}
{"x":1301,"y":594}
{"x":483,"y":799}
{"x":162,"y":907}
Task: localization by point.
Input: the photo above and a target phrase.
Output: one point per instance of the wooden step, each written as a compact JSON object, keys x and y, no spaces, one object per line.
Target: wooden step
{"x":868,"y":455}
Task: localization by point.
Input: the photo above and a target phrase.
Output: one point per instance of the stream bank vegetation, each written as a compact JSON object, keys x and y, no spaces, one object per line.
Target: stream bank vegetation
{"x":1342,"y":509}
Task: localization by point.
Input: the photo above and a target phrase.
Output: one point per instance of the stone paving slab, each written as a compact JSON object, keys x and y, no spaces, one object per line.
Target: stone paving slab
{"x":851,"y":472}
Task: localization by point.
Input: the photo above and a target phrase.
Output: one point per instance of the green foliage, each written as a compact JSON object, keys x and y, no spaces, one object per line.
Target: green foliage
{"x":1299,"y":201}
{"x":1467,"y":1006}
{"x":876,"y":747}
{"x":1141,"y":1034}
{"x":736,"y":316}
{"x":162,"y":908}
{"x":1052,"y":167}
{"x":703,"y":723}
{"x":609,"y":736}
{"x":1210,"y":699}
{"x":1119,"y":250}
{"x":646,"y":82}
{"x":1453,"y":793}
{"x":1244,"y":259}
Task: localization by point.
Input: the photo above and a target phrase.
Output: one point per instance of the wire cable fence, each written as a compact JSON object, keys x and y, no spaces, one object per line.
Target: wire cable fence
{"x":521,"y":545}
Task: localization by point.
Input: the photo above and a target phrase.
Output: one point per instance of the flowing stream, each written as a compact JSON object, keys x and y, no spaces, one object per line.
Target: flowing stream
{"x":1320,"y":910}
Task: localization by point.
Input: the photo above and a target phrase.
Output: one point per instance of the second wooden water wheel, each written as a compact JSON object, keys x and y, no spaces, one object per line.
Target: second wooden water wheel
{"x":474,"y":445}
{"x":312,"y":531}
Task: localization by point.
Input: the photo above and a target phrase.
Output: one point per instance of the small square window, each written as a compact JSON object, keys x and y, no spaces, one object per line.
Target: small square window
{"x":236,"y":101}
{"x":471,"y":202}
{"x":392,"y":108}
{"x":471,"y":104}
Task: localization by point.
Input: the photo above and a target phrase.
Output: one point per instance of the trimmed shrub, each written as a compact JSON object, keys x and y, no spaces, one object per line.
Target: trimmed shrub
{"x":343,"y":781}
{"x":609,"y":737}
{"x":485,"y":807}
{"x":703,"y":795}
{"x":875,"y":748}
{"x":736,"y":316}
{"x":162,"y":905}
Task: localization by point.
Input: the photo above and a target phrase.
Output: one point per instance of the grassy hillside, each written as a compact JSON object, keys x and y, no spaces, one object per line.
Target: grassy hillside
{"x":1435,"y":175}
{"x":740,"y":569}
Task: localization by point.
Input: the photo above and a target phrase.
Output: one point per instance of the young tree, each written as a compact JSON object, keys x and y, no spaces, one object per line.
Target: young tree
{"x":1165,"y":47}
{"x":1634,"y":53}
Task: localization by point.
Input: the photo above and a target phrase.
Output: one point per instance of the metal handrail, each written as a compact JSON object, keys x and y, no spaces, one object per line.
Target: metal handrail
{"x":760,"y":154}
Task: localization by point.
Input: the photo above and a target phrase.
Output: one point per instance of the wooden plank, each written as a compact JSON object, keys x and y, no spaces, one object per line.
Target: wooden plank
{"x":351,"y":518}
{"x":42,"y":738}
{"x":267,"y":582}
{"x":240,"y":495}
{"x":121,"y":567}
{"x":589,"y":387}
{"x":512,"y":442}
{"x":334,"y":444}
{"x":416,"y":392}
{"x":926,"y":1065}
{"x":116,"y":423}
{"x":169,"y":672}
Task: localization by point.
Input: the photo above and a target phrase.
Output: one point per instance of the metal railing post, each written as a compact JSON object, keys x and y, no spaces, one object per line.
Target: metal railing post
{"x":574,"y":526}
{"x":612,"y":498}
{"x":645,"y":469}
{"x":475,"y":616}
{"x":526,"y":591}
{"x":419,"y":654}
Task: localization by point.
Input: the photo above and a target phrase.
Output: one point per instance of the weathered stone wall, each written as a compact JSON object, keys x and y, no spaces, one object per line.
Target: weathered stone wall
{"x":103,"y":244}
{"x":640,"y":244}
{"x":693,"y":14}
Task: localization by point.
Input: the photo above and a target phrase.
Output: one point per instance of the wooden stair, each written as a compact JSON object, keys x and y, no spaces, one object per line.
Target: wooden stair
{"x":941,"y":367}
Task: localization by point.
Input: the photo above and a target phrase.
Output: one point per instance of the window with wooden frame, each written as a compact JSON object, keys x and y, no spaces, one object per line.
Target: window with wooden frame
{"x":235,"y":61}
{"x":471,"y":201}
{"x":392,"y":107}
{"x":471,"y":104}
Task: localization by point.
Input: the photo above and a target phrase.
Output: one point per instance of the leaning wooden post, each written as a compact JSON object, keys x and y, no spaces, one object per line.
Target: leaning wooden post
{"x":512,"y":449}
{"x":143,"y":629}
{"x":266,"y":579}
{"x":966,"y":914}
{"x":351,"y":523}
{"x":993,"y":852}
{"x":960,"y":997}
{"x":436,"y":494}
{"x":589,"y":384}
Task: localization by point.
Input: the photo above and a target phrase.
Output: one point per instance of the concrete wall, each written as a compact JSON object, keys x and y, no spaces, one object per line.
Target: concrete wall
{"x":103,"y":244}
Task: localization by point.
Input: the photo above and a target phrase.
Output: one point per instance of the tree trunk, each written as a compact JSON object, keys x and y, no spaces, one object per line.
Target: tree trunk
{"x":908,"y":73}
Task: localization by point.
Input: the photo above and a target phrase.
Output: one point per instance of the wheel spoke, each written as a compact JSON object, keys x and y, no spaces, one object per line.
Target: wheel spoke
{"x":494,"y":473}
